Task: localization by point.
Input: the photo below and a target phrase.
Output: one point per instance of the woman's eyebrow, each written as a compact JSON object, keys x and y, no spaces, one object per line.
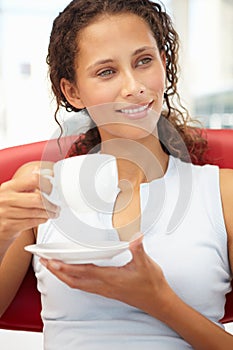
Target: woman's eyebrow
{"x":142,"y":49}
{"x":110,"y":60}
{"x":97,"y":63}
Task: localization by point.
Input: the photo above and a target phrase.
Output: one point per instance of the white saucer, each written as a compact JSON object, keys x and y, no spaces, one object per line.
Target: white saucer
{"x":73,"y":253}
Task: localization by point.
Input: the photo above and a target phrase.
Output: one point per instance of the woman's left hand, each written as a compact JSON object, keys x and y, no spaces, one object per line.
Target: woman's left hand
{"x":140,"y":283}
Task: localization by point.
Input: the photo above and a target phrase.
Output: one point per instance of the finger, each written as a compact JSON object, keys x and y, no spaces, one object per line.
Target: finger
{"x":26,"y":200}
{"x":138,"y":252}
{"x":75,"y":282}
{"x":26,"y":183}
{"x":137,"y":241}
{"x":19,"y":225}
{"x":22,"y":213}
{"x":69,"y":274}
{"x":45,"y":186}
{"x":83,"y":271}
{"x":136,"y":247}
{"x":84,"y":276}
{"x":28,"y":223}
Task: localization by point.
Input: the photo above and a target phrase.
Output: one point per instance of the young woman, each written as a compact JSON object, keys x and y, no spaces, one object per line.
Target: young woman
{"x":118,"y":60}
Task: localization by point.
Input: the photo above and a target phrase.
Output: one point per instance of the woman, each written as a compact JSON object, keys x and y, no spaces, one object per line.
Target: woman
{"x":118,"y":59}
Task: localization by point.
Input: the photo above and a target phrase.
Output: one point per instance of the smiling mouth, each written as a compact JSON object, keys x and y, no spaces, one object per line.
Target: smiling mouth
{"x":137,"y":112}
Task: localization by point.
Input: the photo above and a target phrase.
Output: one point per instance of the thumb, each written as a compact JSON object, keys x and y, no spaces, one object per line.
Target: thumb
{"x":26,"y":183}
{"x":136,"y":246}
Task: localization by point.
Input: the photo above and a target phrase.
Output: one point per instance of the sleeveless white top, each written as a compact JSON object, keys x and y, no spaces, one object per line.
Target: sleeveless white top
{"x":184,"y":229}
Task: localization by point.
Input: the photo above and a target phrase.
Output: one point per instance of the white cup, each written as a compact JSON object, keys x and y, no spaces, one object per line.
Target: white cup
{"x":85,"y":183}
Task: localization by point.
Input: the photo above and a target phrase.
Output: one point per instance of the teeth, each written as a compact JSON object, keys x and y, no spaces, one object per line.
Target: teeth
{"x":136,"y":110}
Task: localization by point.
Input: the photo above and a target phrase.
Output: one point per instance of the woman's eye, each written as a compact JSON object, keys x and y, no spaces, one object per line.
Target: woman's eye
{"x":106,"y":73}
{"x":143,"y":61}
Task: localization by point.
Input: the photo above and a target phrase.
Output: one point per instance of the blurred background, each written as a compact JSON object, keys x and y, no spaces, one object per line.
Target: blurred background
{"x":26,"y":105}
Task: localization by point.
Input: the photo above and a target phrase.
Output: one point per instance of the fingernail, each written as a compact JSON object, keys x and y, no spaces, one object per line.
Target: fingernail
{"x":58,"y":211}
{"x":55,"y":265}
{"x":36,"y":170}
{"x":43,"y":262}
{"x":55,"y":214}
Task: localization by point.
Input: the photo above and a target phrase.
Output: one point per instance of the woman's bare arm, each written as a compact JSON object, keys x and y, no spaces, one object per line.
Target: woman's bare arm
{"x":21,"y":209}
{"x":13,"y":268}
{"x":226,"y":183}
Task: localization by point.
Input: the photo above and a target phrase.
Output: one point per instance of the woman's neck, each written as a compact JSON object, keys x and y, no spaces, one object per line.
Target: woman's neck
{"x":138,"y":161}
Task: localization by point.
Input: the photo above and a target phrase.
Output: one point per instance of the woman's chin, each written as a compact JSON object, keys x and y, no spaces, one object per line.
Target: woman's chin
{"x":128,"y":132}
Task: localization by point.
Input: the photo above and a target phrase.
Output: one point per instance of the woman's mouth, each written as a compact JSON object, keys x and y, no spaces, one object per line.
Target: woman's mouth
{"x":136,"y":111}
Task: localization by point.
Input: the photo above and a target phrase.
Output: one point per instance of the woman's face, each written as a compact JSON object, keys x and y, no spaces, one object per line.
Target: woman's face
{"x":120,"y":76}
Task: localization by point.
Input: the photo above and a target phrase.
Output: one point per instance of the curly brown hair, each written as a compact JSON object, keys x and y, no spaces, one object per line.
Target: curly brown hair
{"x":63,"y":49}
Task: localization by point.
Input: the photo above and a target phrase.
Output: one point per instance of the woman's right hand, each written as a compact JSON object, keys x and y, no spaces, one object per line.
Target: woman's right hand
{"x":21,"y":204}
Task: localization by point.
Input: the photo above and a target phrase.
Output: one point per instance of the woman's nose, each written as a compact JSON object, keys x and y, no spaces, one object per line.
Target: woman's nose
{"x":131,"y":86}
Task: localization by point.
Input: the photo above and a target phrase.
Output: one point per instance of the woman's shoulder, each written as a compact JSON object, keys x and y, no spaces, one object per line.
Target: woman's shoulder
{"x":226,"y":185}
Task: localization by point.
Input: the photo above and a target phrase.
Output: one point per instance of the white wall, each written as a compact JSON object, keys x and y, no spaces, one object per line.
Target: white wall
{"x":26,"y":109}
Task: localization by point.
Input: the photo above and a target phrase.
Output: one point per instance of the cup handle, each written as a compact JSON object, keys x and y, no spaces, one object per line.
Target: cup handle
{"x":53,"y":197}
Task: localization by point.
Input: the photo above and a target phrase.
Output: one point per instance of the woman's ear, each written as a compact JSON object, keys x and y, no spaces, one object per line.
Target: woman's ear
{"x":71,"y":93}
{"x":164,"y":59}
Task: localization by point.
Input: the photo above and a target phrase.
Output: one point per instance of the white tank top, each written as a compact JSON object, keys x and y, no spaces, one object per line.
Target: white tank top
{"x":184,"y":229}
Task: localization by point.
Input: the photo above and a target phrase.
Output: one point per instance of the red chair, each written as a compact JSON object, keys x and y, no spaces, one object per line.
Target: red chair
{"x":24,"y":311}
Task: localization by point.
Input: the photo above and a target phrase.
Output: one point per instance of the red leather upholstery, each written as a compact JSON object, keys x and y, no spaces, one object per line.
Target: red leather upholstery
{"x":24,"y":311}
{"x":220,"y":147}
